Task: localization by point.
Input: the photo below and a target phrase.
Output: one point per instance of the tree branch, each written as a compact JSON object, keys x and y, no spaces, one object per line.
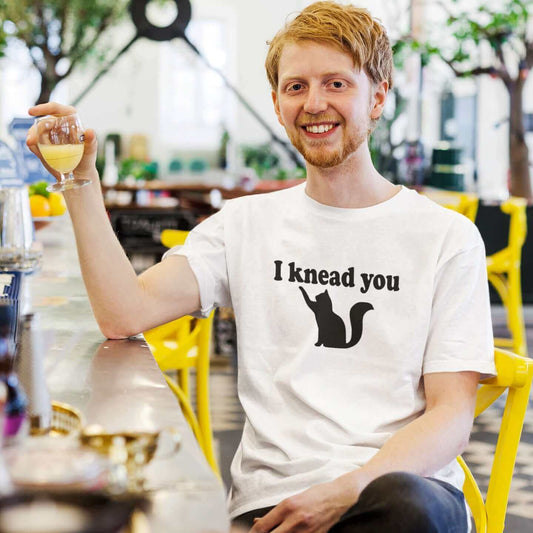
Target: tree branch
{"x":75,"y":58}
{"x":529,"y":54}
{"x":78,"y":32}
{"x":43,"y":26}
{"x":62,"y":21}
{"x":36,"y":63}
{"x":503,"y":73}
{"x":477,"y":71}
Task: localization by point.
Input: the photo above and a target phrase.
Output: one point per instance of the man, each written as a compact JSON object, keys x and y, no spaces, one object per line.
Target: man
{"x":362,"y":308}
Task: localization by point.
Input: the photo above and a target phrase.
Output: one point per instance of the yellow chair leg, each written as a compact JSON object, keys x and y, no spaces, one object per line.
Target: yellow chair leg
{"x":204,"y":420}
{"x":516,"y":317}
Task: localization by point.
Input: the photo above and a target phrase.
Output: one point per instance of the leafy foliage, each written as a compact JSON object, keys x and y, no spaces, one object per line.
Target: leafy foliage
{"x":491,"y":39}
{"x":59,"y":34}
{"x":262,"y":158}
{"x":496,"y":39}
{"x":140,"y":170}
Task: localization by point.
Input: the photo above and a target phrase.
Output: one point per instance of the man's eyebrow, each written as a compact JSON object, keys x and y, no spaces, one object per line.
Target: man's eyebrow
{"x":337,"y":73}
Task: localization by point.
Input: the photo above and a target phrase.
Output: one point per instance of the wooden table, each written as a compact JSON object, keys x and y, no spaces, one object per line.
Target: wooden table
{"x":118,"y":385}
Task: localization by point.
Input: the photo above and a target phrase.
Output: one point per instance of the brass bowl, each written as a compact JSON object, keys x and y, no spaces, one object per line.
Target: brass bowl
{"x":65,"y":420}
{"x":136,"y":444}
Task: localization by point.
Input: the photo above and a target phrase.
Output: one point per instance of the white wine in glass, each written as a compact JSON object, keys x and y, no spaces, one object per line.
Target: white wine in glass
{"x":61,"y":140}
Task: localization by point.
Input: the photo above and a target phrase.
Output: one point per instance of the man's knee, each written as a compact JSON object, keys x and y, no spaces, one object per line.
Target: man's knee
{"x":395,"y":486}
{"x":403,"y":497}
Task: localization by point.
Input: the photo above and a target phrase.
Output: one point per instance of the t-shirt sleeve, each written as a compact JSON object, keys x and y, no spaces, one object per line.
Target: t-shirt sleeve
{"x":460,"y":333}
{"x":205,"y":251}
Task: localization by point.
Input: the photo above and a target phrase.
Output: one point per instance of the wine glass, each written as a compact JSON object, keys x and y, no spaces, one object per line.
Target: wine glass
{"x":61,"y":140}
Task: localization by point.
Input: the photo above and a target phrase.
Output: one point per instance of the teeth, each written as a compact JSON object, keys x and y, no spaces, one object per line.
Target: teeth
{"x":319,"y":129}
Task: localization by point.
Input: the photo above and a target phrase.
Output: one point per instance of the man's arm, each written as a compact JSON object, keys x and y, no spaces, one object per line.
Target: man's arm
{"x":123,"y":303}
{"x":421,"y":447}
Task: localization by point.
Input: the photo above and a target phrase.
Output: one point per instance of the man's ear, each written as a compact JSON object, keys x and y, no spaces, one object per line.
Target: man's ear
{"x":379,"y":98}
{"x":275,"y":100}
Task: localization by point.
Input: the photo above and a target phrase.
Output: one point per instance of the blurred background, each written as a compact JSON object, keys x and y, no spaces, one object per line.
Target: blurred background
{"x":458,"y":63}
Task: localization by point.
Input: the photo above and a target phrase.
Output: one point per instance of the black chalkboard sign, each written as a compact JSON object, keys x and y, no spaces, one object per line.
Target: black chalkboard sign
{"x":139,"y":230}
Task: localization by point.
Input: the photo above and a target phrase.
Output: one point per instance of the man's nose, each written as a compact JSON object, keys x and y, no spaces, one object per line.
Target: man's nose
{"x":315,"y":101}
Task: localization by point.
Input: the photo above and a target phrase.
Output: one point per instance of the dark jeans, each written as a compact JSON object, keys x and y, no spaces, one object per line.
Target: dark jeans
{"x":398,"y":503}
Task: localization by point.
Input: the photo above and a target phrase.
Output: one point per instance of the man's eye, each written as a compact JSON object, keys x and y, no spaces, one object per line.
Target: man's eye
{"x":338,"y":84}
{"x":294,"y":87}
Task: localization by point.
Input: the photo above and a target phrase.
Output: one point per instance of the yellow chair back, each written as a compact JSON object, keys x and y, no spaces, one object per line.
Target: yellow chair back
{"x":514,"y":375}
{"x":178,"y":346}
{"x":173,"y":237}
{"x":463,"y":202}
{"x":468,"y":205}
{"x":504,"y":272}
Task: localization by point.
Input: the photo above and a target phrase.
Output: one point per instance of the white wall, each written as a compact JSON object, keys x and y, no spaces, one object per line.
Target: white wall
{"x":493,"y":138}
{"x":125,"y":99}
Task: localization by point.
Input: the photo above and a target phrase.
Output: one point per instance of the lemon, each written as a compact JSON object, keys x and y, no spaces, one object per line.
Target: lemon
{"x":57,"y":204}
{"x":39,"y":205}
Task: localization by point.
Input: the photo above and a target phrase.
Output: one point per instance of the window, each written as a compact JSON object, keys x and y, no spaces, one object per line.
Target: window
{"x":195,"y":104}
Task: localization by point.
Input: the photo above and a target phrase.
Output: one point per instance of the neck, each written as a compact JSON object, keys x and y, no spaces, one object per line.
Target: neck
{"x":355,"y":183}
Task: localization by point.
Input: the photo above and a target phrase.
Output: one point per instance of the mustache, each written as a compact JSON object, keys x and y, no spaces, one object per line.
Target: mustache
{"x":315,"y":119}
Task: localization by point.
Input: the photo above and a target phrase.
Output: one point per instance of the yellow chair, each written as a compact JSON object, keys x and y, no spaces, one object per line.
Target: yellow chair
{"x":173,"y":237}
{"x":504,"y":273}
{"x":514,"y":374}
{"x":179,"y":346}
{"x":468,"y":205}
{"x":463,"y":202}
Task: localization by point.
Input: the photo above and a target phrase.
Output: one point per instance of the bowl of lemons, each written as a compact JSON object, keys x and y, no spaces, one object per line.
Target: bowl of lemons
{"x":45,"y":206}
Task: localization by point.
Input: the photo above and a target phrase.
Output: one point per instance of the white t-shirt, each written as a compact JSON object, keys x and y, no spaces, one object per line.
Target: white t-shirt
{"x":339,"y":313}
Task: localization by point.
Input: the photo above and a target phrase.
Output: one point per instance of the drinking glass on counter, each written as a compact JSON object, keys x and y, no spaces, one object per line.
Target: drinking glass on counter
{"x":61,"y":140}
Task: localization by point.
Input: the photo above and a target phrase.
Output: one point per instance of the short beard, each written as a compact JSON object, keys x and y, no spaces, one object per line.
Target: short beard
{"x":324,"y":159}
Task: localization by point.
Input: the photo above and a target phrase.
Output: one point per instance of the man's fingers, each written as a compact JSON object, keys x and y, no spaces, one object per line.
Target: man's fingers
{"x":268,"y":522}
{"x":51,"y":108}
{"x":90,"y":141}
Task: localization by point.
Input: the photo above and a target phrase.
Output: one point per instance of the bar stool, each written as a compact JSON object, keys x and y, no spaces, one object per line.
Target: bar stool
{"x":504,"y":271}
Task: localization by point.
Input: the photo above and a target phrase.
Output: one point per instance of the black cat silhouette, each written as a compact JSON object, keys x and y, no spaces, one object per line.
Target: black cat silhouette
{"x":331,"y":328}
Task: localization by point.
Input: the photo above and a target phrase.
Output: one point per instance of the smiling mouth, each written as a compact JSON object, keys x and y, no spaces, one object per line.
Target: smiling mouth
{"x":319,"y":128}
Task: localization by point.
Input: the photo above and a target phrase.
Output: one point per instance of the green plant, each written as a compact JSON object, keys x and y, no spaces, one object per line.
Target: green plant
{"x":492,"y":40}
{"x":59,"y":34}
{"x":140,"y":170}
{"x":260,"y":157}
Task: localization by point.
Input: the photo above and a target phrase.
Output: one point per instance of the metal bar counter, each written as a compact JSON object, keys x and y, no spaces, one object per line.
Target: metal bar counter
{"x":118,"y":385}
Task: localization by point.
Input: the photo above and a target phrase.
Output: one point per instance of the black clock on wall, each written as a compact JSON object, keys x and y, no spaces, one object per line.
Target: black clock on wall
{"x":157,"y":33}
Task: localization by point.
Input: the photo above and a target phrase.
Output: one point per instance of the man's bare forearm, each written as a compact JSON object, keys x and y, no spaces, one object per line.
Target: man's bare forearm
{"x":112,"y":285}
{"x":123,"y":303}
{"x":422,"y":447}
